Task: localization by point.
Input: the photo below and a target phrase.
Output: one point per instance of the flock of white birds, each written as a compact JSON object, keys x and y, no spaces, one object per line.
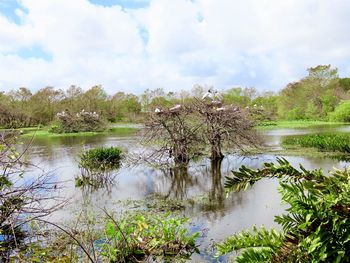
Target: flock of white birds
{"x":212,"y":95}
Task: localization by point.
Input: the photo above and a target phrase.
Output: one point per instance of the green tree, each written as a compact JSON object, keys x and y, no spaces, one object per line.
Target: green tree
{"x":95,"y":99}
{"x":235,"y":96}
{"x":341,"y":112}
{"x":44,"y":104}
{"x":345,"y":83}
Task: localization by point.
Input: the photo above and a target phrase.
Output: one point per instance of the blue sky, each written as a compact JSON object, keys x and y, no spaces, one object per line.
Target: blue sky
{"x":128,"y":4}
{"x":130,"y":46}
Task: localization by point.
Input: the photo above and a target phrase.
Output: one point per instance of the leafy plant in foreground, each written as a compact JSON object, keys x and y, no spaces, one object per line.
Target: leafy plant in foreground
{"x":316,"y":227}
{"x":142,"y":235}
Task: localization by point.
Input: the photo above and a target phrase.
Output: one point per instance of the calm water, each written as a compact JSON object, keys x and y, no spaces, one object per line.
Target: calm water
{"x":200,"y":186}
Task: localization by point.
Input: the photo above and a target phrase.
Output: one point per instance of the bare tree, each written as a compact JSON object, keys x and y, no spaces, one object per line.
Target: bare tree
{"x":225,"y":126}
{"x":176,"y":133}
{"x":22,"y":200}
{"x":183,"y":131}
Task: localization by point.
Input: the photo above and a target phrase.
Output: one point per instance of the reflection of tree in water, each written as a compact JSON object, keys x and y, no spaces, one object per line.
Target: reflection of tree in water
{"x":181,"y":181}
{"x":216,"y":195}
{"x":91,"y":181}
{"x":210,"y":201}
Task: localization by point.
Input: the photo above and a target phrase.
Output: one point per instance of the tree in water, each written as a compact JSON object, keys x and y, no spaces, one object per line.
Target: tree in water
{"x":183,"y":131}
{"x":176,"y":133}
{"x":225,"y":127}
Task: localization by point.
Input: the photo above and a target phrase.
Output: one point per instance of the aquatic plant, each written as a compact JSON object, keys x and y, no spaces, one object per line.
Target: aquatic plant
{"x":144,"y":235}
{"x":316,"y":227}
{"x":101,"y":158}
{"x":325,"y":142}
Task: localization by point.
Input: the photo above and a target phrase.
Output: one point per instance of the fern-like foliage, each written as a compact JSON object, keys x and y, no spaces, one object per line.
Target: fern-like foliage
{"x":246,"y":177}
{"x":258,"y":245}
{"x":316,"y":227}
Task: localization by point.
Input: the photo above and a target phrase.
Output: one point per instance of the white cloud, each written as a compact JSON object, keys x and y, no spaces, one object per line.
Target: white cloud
{"x":262,"y":43}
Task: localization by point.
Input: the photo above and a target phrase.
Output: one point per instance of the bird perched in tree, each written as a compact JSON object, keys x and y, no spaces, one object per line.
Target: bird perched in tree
{"x":220,"y":109}
{"x":213,"y":95}
{"x":209,"y":94}
{"x":176,"y":108}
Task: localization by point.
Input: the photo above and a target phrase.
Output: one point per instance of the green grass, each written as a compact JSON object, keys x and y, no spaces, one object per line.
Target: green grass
{"x":332,"y":142}
{"x":43,"y":133}
{"x":296,"y":124}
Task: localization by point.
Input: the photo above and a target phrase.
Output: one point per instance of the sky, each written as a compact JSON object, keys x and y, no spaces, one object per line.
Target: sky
{"x":132,"y":45}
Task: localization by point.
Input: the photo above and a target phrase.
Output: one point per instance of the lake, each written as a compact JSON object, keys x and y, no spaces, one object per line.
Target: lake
{"x":200,"y":187}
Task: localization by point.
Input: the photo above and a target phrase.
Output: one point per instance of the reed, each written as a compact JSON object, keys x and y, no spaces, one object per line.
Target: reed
{"x":339,"y":142}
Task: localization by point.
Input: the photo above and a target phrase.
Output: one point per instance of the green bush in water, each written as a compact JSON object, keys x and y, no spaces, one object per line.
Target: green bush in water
{"x":102,"y":158}
{"x":339,"y":142}
{"x":316,"y":227}
{"x":341,"y":112}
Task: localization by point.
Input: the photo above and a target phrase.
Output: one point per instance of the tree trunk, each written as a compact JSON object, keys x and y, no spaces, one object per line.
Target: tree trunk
{"x":216,"y":153}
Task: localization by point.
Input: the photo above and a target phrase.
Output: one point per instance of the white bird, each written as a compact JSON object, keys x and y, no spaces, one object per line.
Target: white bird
{"x":209,"y":94}
{"x":220,"y":109}
{"x":176,"y":108}
{"x":212,"y":94}
{"x":157,"y":110}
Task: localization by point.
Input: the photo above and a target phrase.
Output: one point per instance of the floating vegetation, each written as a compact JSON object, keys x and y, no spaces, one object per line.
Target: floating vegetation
{"x":339,"y":142}
{"x":139,"y":236}
{"x":101,"y":159}
{"x":154,"y":202}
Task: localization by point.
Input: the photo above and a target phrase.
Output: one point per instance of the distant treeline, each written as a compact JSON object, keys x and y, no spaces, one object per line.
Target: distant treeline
{"x":314,"y":97}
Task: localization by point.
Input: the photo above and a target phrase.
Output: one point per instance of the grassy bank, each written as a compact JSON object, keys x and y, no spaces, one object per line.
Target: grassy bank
{"x":338,"y":142}
{"x":296,"y":124}
{"x":121,"y":131}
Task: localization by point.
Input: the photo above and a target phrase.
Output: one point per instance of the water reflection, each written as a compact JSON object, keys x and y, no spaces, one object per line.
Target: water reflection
{"x":180,"y":181}
{"x":91,"y":180}
{"x":217,"y":192}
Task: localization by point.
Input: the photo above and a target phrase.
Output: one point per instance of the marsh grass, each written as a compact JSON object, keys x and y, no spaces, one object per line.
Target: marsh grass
{"x":43,"y":133}
{"x":338,"y":142}
{"x":296,"y":124}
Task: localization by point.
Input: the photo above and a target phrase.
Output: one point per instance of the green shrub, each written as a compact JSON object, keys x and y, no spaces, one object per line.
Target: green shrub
{"x":81,"y":122}
{"x":142,"y":235}
{"x":341,"y":112}
{"x":324,"y":142}
{"x":316,"y":227}
{"x":102,"y":158}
